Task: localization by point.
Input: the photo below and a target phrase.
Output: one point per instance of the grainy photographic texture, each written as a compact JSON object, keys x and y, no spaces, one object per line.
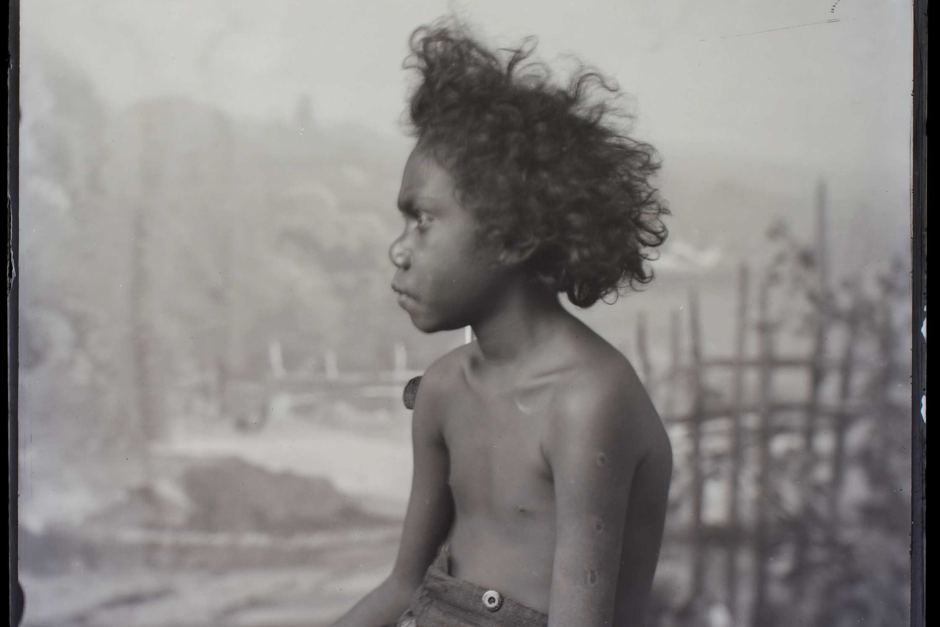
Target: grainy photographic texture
{"x":211,"y":426}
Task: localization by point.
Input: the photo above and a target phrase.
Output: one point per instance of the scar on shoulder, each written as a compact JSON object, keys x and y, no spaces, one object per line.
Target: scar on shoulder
{"x":591,"y":577}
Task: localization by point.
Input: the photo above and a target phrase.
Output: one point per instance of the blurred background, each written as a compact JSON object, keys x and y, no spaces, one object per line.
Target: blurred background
{"x":211,"y":360}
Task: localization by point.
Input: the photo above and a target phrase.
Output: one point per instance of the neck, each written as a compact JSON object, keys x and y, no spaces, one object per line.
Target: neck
{"x":518,"y":322}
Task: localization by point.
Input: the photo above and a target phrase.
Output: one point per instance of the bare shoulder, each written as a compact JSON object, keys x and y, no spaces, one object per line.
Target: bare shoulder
{"x":604,"y":401}
{"x":440,"y":379}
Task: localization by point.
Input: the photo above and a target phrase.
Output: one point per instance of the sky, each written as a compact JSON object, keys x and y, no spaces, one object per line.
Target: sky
{"x":749,"y":102}
{"x":819,"y":82}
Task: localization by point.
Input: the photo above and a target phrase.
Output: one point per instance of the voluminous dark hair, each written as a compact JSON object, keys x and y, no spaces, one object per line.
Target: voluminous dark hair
{"x":546,"y":169}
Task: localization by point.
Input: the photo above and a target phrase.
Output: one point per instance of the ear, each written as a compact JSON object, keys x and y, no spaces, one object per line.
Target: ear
{"x":517,"y":253}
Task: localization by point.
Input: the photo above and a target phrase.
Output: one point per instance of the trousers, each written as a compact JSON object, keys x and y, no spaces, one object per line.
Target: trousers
{"x":445,"y":601}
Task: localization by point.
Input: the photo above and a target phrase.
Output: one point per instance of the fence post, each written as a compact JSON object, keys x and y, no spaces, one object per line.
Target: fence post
{"x":840,"y":423}
{"x":817,"y":373}
{"x":675,"y":361}
{"x":331,"y":365}
{"x":734,"y":478}
{"x":642,"y":347}
{"x":887,"y":345}
{"x":695,"y":426}
{"x":400,"y":359}
{"x":764,"y":430}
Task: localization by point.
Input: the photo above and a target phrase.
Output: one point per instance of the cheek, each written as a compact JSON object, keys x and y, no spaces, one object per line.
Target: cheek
{"x":468,"y":269}
{"x":469,"y":288}
{"x":448,"y":259}
{"x":455,"y":267}
{"x":458,"y":286}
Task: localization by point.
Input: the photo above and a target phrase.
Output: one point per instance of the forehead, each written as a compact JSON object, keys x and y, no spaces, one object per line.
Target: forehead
{"x":425,"y":178}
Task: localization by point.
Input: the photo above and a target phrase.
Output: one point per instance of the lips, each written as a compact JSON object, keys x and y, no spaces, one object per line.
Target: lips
{"x":402,"y":291}
{"x":404,"y":297}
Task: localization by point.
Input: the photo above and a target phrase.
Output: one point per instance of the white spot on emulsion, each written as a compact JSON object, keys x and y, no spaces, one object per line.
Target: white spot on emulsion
{"x":534,"y":400}
{"x":923,"y":399}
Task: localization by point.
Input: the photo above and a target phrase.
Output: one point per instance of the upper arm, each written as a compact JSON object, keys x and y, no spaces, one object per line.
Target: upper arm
{"x":430,"y":510}
{"x":650,"y":492}
{"x":596,"y":448}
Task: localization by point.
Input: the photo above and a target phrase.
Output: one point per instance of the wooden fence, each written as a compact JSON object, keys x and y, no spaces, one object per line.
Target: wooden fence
{"x":727,"y":435}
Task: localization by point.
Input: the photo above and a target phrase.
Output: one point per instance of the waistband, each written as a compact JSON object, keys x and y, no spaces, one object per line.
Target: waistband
{"x":443,"y":597}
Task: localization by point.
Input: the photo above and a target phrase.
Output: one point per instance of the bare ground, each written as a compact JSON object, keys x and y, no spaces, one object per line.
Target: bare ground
{"x":305,"y":520}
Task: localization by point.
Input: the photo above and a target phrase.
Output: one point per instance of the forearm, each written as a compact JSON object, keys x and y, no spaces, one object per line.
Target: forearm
{"x":383,"y":606}
{"x":586,"y":598}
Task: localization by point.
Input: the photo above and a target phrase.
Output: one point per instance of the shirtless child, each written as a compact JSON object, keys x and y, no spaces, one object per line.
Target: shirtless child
{"x":541,"y":468}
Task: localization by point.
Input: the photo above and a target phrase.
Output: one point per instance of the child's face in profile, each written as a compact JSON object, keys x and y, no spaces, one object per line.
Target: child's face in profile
{"x":446,"y":277}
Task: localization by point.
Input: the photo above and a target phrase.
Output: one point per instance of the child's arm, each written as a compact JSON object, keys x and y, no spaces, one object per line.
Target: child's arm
{"x":606,"y":441}
{"x":427,"y":521}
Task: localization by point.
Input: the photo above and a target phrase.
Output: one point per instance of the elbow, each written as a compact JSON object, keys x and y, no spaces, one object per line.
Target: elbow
{"x":400,"y":588}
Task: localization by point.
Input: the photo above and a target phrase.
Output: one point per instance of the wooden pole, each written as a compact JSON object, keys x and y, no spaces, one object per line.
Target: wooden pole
{"x":817,"y":372}
{"x":695,"y":426}
{"x":765,"y":394}
{"x":675,"y":362}
{"x":734,"y":476}
{"x":675,"y":341}
{"x":887,"y":345}
{"x":331,"y":365}
{"x":400,"y":359}
{"x":840,"y":423}
{"x":642,"y":347}
{"x":145,"y":363}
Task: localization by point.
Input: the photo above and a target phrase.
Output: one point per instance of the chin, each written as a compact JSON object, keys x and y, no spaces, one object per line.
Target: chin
{"x":423,"y":324}
{"x":430,"y":325}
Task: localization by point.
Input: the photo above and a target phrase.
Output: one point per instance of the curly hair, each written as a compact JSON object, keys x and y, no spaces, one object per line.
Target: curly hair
{"x":545,"y":168}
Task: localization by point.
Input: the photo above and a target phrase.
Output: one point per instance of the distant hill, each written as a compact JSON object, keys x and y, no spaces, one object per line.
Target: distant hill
{"x":724,"y":202}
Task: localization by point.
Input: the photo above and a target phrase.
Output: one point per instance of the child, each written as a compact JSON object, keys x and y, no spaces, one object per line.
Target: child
{"x":541,"y":469}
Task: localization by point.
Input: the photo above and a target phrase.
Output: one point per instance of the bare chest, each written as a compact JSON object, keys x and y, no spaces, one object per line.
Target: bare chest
{"x":497,"y":465}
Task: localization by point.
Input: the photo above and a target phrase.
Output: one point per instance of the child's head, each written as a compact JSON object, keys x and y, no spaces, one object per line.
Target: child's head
{"x":544,"y":169}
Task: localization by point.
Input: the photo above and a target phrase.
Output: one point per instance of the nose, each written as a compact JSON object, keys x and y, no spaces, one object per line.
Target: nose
{"x":400,"y":254}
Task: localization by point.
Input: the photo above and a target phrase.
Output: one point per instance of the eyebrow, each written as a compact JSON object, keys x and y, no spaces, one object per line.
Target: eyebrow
{"x":410,"y":205}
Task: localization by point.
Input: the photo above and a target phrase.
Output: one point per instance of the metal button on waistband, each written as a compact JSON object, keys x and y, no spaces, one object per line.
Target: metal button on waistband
{"x":492,"y":600}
